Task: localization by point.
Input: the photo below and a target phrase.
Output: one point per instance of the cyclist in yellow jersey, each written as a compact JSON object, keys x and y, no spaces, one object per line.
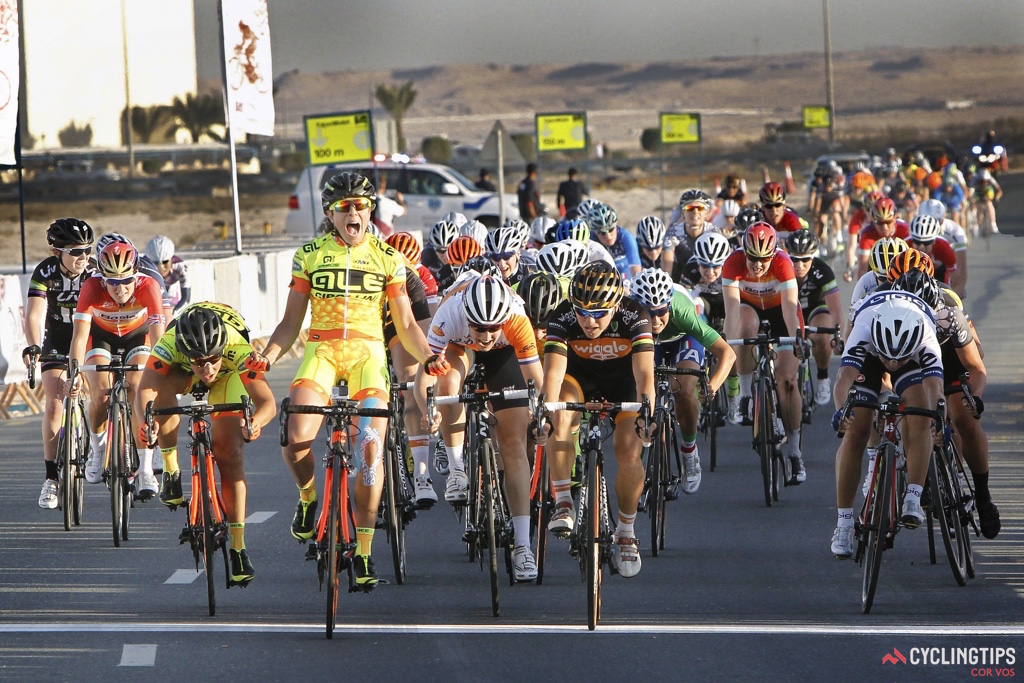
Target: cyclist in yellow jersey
{"x":208,"y":344}
{"x":346,"y":277}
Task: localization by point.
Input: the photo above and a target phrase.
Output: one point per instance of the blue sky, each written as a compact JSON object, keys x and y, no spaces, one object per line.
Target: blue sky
{"x":333,"y":35}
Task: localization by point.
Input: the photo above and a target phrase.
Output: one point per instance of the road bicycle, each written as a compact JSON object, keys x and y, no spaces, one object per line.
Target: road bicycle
{"x":335,"y":545}
{"x":593,"y":534}
{"x":206,"y":530}
{"x":806,"y":382}
{"x":488,"y":523}
{"x":398,"y":506}
{"x":121,"y":457}
{"x":540,"y":489}
{"x":768,"y":429}
{"x":713,"y":414}
{"x":665,"y":470}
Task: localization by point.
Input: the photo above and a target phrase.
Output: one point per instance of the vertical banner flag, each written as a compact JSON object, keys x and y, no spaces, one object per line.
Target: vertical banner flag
{"x":9,"y":70}
{"x":248,"y":67}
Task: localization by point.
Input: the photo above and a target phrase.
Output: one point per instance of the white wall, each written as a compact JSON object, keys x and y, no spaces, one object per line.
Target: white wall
{"x":75,"y":68}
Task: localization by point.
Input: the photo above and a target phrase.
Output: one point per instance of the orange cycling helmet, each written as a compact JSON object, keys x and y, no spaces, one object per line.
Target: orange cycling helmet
{"x":406,"y":244}
{"x":760,"y":240}
{"x":933,"y":180}
{"x":862,"y":180}
{"x":462,"y":249}
{"x":773,"y":193}
{"x":117,"y":260}
{"x":911,"y":259}
{"x":883,"y":210}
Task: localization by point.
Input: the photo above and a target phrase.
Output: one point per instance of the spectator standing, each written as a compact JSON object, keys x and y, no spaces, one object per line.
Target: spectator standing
{"x":529,"y":196}
{"x":388,"y":209}
{"x":484,"y":182}
{"x":570,"y":194}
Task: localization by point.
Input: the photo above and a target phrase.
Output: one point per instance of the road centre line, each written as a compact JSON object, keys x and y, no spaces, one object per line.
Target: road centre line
{"x":183,"y":576}
{"x":138,"y":655}
{"x":258,"y":517}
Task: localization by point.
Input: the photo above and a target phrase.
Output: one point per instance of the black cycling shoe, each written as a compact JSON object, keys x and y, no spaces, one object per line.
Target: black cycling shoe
{"x":988,"y":515}
{"x":242,"y":571}
{"x":366,"y":575}
{"x":746,"y":410}
{"x":170,"y":490}
{"x":304,"y":521}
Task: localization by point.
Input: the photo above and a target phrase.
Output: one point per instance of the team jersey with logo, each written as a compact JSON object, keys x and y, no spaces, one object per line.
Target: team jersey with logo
{"x":684,"y":319}
{"x":760,"y":292}
{"x":145,"y":307}
{"x":348,"y":287}
{"x":61,"y":292}
{"x":609,"y":354}
{"x":859,"y":345}
{"x":819,"y":283}
{"x":870,"y":234}
{"x":790,"y":222}
{"x":450,"y":326}
{"x":237,"y":348}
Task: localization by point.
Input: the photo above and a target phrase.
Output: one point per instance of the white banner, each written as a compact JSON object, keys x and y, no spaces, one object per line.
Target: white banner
{"x":248,"y":66}
{"x":12,"y":331}
{"x":9,"y":69}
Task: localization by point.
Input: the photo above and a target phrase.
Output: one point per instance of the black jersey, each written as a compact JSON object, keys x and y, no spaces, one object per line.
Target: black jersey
{"x":608,"y":356}
{"x":61,"y":292}
{"x":820,"y":281}
{"x":714,"y":300}
{"x":431,"y":260}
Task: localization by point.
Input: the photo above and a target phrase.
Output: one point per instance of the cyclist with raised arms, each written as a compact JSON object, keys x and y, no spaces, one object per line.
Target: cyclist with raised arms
{"x":819,"y":303}
{"x":681,"y":339}
{"x":53,"y":295}
{"x":116,"y":311}
{"x":894,"y":332}
{"x":208,"y":344}
{"x":650,"y":237}
{"x":485,"y":323}
{"x":759,"y":283}
{"x":599,"y":346}
{"x":621,"y":244}
{"x":345,"y":277}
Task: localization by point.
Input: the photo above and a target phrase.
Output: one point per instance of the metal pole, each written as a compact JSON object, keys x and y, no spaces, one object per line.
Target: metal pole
{"x":21,"y":196}
{"x":661,"y":174}
{"x":501,"y":175}
{"x":830,"y":95}
{"x":127,"y":92}
{"x":231,"y":131}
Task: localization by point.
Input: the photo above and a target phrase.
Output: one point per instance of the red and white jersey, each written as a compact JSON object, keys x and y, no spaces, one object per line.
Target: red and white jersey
{"x":789,"y":223}
{"x":145,"y":306}
{"x":760,"y":292}
{"x":870,"y":234}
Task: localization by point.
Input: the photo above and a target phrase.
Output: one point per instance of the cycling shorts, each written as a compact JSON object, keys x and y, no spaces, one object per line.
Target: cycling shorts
{"x":869,"y":381}
{"x":56,"y":343}
{"x":952,"y":368}
{"x":776,"y":323}
{"x":679,"y":350}
{"x":103,"y":344}
{"x":362,"y":363}
{"x":501,"y":372}
{"x":616,"y":388}
{"x":809,"y":313}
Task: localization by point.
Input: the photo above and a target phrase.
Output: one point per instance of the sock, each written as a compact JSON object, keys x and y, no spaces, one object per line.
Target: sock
{"x":51,"y":469}
{"x":237,"y":531}
{"x":793,"y":442}
{"x":307,"y":493}
{"x":823,"y":373}
{"x":981,"y":487}
{"x":521,"y":526}
{"x":732,"y":386}
{"x":456,"y":461}
{"x":146,"y":460}
{"x":420,"y":447}
{"x":170,"y":456}
{"x":625,"y":527}
{"x":845,"y":517}
{"x":745,"y":383}
{"x":689,"y":443}
{"x":364,"y":541}
{"x":562,"y":490}
{"x":98,"y":442}
{"x":914,"y":491}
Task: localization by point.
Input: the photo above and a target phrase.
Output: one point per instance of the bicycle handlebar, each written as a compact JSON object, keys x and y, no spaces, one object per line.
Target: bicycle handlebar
{"x":507,"y":394}
{"x":134,"y":367}
{"x":893,"y":406}
{"x":761,"y":339}
{"x":594,"y":406}
{"x":348,"y":408}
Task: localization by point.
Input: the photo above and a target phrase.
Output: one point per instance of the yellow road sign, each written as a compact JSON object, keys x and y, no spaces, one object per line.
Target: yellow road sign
{"x":676,"y":128}
{"x":561,"y":131}
{"x":335,"y":138}
{"x":817,"y":117}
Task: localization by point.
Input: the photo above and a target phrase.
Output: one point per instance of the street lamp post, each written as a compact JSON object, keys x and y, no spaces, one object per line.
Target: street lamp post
{"x":127,"y":93}
{"x":828,"y":78}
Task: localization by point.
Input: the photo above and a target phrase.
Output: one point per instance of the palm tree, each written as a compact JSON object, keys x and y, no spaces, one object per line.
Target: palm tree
{"x":147,"y":122}
{"x":397,"y":99}
{"x":197,"y":113}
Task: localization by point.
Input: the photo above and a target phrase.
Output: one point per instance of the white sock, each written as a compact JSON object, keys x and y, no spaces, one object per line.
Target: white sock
{"x":625,"y":526}
{"x":745,"y":383}
{"x":146,"y":460}
{"x":456,"y":461}
{"x":420,"y":455}
{"x":914,"y":491}
{"x":98,"y":441}
{"x":521,"y":526}
{"x":845,"y":517}
{"x":793,"y":443}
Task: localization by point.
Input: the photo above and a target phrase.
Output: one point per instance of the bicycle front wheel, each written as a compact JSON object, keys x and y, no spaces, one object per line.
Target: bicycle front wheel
{"x":80,"y":429}
{"x":66,"y":463}
{"x":946,"y":506}
{"x":875,"y":525}
{"x":205,"y":517}
{"x":336,"y":475}
{"x":115,"y":449}
{"x":542,"y":508}
{"x":762,"y":439}
{"x":392,"y":511}
{"x":593,"y":540}
{"x":490,"y":498}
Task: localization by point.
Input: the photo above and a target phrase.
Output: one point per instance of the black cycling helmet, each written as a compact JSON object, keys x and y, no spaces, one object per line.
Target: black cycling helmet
{"x":596,"y":286}
{"x":345,"y":185}
{"x":541,"y":293}
{"x":920,"y":283}
{"x":747,"y":217}
{"x":64,"y":232}
{"x":200,"y":333}
{"x":801,"y":243}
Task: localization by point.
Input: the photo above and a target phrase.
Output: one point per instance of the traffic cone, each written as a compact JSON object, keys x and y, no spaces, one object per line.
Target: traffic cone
{"x":765,"y":177}
{"x":790,"y":184}
{"x":718,"y":187}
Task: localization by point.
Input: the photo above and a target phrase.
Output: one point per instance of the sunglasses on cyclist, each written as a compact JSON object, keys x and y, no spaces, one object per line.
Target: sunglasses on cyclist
{"x":202,"y":362}
{"x":921,"y":243}
{"x":693,"y":207}
{"x":501,"y":255}
{"x":484,"y":328}
{"x":166,"y":263}
{"x":77,"y":251}
{"x":118,"y":281}
{"x":762,"y":259}
{"x":358,"y":203}
{"x":604,"y":231}
{"x":773,"y":206}
{"x":801,"y":259}
{"x":658,"y":312}
{"x":596,"y":314}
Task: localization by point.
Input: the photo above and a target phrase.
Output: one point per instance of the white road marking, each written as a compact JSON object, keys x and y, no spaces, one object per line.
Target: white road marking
{"x":257,"y":517}
{"x":183,"y":576}
{"x":997,"y":629}
{"x":138,"y":655}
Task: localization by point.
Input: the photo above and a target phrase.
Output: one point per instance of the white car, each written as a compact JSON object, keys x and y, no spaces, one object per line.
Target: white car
{"x":430,"y":191}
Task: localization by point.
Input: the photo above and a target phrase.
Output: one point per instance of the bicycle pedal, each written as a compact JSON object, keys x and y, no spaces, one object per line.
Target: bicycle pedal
{"x":145,"y":496}
{"x":185,"y":536}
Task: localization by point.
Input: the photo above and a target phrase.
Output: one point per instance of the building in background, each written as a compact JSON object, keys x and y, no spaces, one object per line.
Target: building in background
{"x":74,"y":62}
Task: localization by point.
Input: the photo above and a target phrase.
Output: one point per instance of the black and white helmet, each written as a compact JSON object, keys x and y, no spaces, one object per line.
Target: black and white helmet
{"x":539,"y":228}
{"x":925,"y":228}
{"x":488,"y":301}
{"x":711,"y":249}
{"x":476,"y":230}
{"x":897,"y":328}
{"x":505,"y":239}
{"x":200,"y":333}
{"x":541,"y":293}
{"x":443,"y":234}
{"x":456,"y":218}
{"x":652,"y":288}
{"x":583,"y":209}
{"x":562,"y":258}
{"x":65,"y":232}
{"x":650,"y":232}
{"x":921,"y":284}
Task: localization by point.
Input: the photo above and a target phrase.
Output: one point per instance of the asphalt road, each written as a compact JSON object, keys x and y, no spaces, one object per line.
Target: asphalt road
{"x":741,"y":591}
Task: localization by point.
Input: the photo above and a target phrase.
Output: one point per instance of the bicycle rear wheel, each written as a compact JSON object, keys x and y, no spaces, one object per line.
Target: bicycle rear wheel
{"x":593,"y":540}
{"x":490,"y":541}
{"x":947,"y":507}
{"x":876,"y":524}
{"x":542,"y":509}
{"x":393,"y":521}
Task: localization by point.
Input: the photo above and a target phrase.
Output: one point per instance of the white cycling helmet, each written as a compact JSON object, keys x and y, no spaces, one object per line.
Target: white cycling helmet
{"x":373,"y":229}
{"x":652,"y":288}
{"x":711,"y":249}
{"x":650,"y":232}
{"x":584,"y":208}
{"x":562,"y":258}
{"x":934,"y":208}
{"x":521,"y":227}
{"x":459,"y":219}
{"x":897,"y":328}
{"x":443,"y":234}
{"x":476,"y":230}
{"x":488,"y":301}
{"x":539,"y":228}
{"x":110,"y":238}
{"x":160,"y":249}
{"x":504,"y":239}
{"x":730,"y":208}
{"x":925,"y":229}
